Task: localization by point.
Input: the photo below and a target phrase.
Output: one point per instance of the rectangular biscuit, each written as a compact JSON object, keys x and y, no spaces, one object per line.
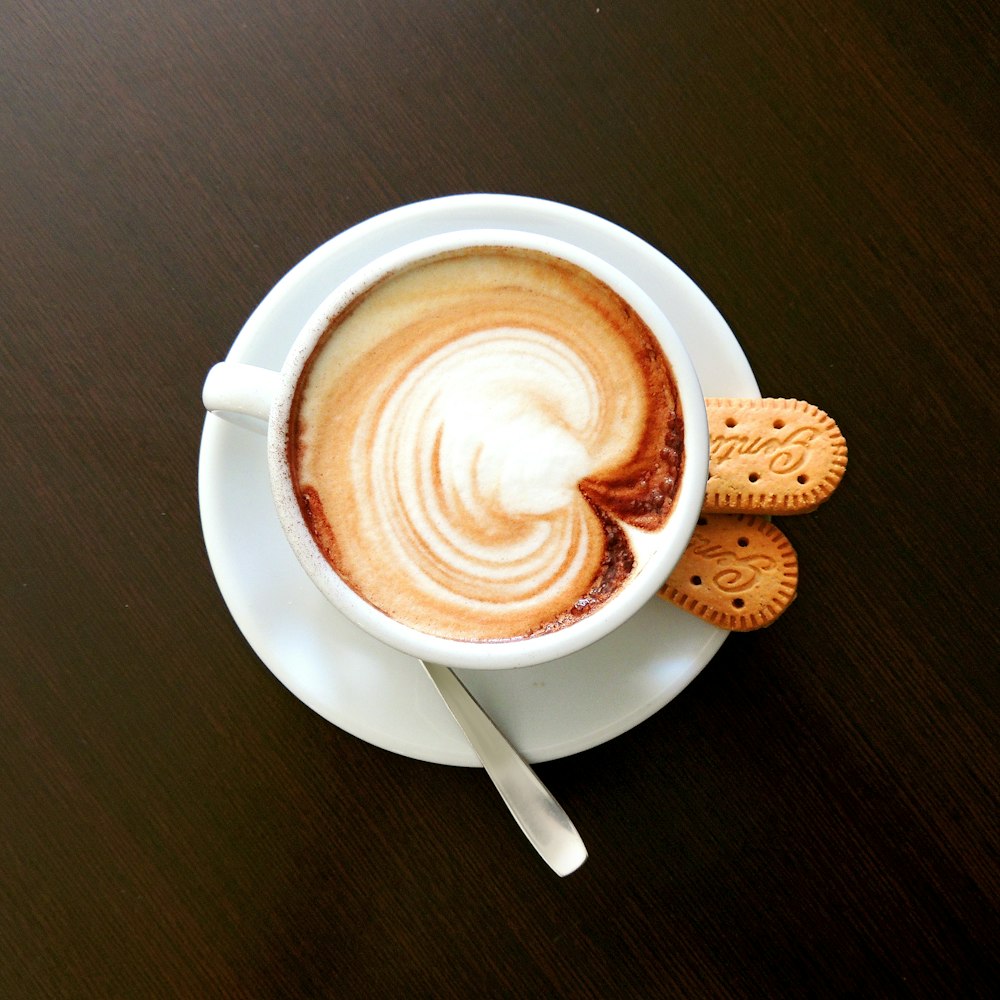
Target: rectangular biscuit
{"x":771,"y":456}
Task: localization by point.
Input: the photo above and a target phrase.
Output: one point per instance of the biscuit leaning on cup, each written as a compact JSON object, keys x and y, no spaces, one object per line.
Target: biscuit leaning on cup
{"x":767,"y":456}
{"x":739,"y":572}
{"x":771,"y":456}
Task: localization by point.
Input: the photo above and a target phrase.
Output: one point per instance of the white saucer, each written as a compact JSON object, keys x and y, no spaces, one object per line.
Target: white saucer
{"x":357,"y":683}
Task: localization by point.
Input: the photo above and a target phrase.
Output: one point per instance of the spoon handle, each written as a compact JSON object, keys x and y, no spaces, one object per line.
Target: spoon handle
{"x":541,"y":818}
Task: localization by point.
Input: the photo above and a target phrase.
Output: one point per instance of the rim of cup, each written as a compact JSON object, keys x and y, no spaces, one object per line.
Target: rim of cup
{"x":520,"y":652}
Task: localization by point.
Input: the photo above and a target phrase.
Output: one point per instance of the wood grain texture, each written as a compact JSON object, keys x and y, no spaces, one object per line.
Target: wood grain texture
{"x":814,"y":816}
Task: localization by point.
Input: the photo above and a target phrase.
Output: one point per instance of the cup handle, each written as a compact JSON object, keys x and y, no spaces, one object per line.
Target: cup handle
{"x":234,"y":388}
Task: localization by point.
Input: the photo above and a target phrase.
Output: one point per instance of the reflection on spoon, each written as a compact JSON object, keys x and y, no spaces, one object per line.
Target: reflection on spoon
{"x":541,"y":818}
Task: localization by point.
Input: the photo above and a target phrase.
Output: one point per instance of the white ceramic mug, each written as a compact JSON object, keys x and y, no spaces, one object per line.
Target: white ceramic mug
{"x":233,"y":388}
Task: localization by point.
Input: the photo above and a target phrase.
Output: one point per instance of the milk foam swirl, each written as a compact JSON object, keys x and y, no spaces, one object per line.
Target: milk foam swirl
{"x":473,"y":436}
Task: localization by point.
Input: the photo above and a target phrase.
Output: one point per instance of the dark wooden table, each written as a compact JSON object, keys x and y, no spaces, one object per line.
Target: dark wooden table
{"x":815,"y":815}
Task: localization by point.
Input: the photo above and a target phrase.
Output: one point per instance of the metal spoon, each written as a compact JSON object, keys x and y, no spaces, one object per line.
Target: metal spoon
{"x":545,"y":824}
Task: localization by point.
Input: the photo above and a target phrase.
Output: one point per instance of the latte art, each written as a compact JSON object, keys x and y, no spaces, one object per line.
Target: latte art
{"x":485,"y":443}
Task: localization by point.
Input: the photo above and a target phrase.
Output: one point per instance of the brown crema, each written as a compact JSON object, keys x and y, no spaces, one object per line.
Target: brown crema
{"x":485,"y":443}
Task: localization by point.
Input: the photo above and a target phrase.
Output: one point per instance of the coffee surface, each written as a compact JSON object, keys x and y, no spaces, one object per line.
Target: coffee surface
{"x":485,"y":443}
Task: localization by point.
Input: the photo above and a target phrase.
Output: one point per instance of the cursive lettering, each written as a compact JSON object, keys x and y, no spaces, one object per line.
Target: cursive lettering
{"x":734,"y":573}
{"x":785,"y":454}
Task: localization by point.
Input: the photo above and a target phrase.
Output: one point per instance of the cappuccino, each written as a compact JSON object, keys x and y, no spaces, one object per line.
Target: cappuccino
{"x":486,"y":443}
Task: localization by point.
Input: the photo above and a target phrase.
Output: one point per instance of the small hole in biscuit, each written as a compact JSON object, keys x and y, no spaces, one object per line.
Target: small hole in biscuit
{"x":730,"y":421}
{"x":696,"y":580}
{"x":743,"y":541}
{"x":737,"y":602}
{"x":802,"y":480}
{"x":778,"y":424}
{"x":702,"y":521}
{"x":753,"y":477}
